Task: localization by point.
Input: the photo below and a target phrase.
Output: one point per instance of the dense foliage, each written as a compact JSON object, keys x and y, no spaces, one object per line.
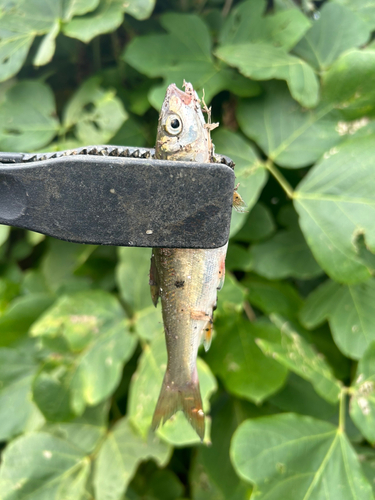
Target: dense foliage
{"x":289,"y":379}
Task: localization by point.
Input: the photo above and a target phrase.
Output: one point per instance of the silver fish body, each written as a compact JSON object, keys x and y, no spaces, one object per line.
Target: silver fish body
{"x":186,"y":280}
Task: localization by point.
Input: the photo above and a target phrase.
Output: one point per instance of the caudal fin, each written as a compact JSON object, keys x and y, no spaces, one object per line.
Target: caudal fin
{"x":185,"y":397}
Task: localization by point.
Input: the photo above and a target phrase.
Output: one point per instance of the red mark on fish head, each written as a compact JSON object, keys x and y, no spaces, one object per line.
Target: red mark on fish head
{"x":185,"y":97}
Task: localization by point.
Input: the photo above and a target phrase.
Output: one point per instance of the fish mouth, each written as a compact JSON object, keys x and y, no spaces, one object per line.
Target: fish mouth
{"x":186,"y":97}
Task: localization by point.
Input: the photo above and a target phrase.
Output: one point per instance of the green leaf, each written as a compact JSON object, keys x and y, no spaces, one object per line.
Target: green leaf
{"x":322,"y":45}
{"x":130,"y":133}
{"x":292,"y":456}
{"x":21,"y":314}
{"x":238,"y":361}
{"x":250,"y":171}
{"x":19,"y":24}
{"x":33,"y":282}
{"x":86,"y":430}
{"x":21,"y":21}
{"x":231,"y":296}
{"x":133,"y":280}
{"x":99,"y":268}
{"x":15,"y":42}
{"x":91,"y":325}
{"x":38,"y":466}
{"x":284,"y":254}
{"x":133,"y":276}
{"x":9,"y":289}
{"x":365,"y":10}
{"x":285,"y":28}
{"x":78,"y":7}
{"x":120,"y":456}
{"x":212,"y":476}
{"x":154,"y":484}
{"x":96,"y":114}
{"x":272,"y":296}
{"x":367,"y":458}
{"x":262,"y":61}
{"x":349,"y":310}
{"x":34,"y":238}
{"x":27,"y":117}
{"x":4,"y":233}
{"x":17,"y":412}
{"x":347,"y":83}
{"x":290,"y":136}
{"x":20,"y":250}
{"x":177,"y":56}
{"x":144,"y":392}
{"x":362,"y":403}
{"x":47,"y":46}
{"x":60,"y":264}
{"x":51,"y":392}
{"x":80,"y":318}
{"x":137,"y":100}
{"x":322,"y":339}
{"x":238,"y":258}
{"x":140,"y":9}
{"x":340,"y":187}
{"x":298,"y":396}
{"x":296,"y":354}
{"x":148,"y":322}
{"x":107,"y":16}
{"x":247,"y":23}
{"x":258,"y":225}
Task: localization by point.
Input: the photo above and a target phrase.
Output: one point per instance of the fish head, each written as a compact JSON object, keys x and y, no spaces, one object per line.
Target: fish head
{"x":182,"y":132}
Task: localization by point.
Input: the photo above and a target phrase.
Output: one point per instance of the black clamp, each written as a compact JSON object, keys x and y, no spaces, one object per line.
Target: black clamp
{"x":112,"y":195}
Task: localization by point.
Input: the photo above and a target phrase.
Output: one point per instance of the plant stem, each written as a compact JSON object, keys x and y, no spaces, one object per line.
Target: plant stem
{"x":249,"y":311}
{"x":280,"y":179}
{"x":226,"y":8}
{"x":342,"y":409}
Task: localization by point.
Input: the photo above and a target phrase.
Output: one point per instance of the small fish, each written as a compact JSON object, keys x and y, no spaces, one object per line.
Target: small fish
{"x":186,"y":280}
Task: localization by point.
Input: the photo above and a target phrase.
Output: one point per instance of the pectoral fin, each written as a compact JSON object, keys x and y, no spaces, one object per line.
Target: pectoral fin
{"x":207,"y":335}
{"x":154,"y":282}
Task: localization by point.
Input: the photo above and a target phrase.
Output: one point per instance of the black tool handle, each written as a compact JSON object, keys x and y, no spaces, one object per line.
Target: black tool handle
{"x":119,"y":201}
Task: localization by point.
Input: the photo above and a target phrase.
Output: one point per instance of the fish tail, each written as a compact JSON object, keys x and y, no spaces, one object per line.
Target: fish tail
{"x":185,"y":397}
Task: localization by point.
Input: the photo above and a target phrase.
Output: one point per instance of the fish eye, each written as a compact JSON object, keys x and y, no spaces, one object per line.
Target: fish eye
{"x":173,"y":125}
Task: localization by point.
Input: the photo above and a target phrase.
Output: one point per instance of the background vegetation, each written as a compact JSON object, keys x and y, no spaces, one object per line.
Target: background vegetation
{"x":289,"y":379}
